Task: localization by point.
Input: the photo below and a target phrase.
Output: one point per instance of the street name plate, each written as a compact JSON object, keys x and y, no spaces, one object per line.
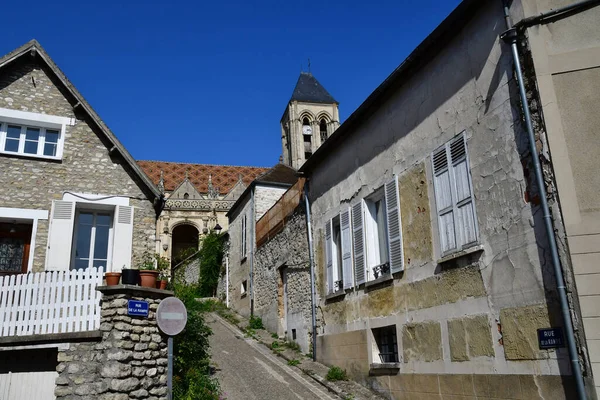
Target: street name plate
{"x":137,"y":308}
{"x":171,"y":316}
{"x":550,"y":338}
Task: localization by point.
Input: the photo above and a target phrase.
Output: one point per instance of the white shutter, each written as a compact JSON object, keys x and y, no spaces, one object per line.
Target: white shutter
{"x":243,"y":240}
{"x":60,"y":237}
{"x":122,"y":239}
{"x":329,"y":256}
{"x":443,"y":199}
{"x":358,"y":242}
{"x":394,"y":225}
{"x":465,"y":212}
{"x":348,"y":276}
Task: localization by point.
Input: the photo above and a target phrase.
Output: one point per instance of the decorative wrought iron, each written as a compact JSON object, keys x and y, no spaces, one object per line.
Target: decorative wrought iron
{"x":11,"y":254}
{"x":381,"y":270}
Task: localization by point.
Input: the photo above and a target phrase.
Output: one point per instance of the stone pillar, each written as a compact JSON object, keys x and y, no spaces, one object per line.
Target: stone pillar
{"x":130,"y":362}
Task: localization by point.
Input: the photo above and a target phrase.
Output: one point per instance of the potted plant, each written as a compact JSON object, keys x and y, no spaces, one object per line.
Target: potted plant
{"x":162,"y":265}
{"x":112,"y":278}
{"x":130,"y":276}
{"x":148,"y":271}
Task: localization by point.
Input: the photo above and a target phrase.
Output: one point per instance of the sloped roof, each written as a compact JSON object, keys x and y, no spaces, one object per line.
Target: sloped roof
{"x":280,"y":173}
{"x":224,"y":177}
{"x":308,"y":89}
{"x":33,"y":48}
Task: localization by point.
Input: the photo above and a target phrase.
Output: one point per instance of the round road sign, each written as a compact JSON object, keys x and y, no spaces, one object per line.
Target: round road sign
{"x":171,"y":316}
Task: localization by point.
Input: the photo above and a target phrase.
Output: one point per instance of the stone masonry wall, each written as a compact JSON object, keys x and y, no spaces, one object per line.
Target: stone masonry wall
{"x":86,"y":166}
{"x":285,"y":255}
{"x":129,"y":363}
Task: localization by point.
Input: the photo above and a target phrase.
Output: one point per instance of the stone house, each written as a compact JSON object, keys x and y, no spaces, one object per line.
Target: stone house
{"x":74,"y":200}
{"x":433,"y":266}
{"x":251,"y":205}
{"x":197,"y":198}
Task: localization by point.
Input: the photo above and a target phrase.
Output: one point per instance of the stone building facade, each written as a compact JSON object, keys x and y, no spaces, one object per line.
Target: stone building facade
{"x":432,"y":264}
{"x":61,"y":165}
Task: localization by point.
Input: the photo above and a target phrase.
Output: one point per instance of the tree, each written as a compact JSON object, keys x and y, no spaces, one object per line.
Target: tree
{"x":211,"y":260}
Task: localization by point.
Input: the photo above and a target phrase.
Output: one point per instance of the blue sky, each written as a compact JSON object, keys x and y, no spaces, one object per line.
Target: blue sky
{"x":207,"y":82}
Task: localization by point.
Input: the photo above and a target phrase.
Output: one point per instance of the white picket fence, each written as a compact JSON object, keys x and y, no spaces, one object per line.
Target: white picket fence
{"x":50,"y":302}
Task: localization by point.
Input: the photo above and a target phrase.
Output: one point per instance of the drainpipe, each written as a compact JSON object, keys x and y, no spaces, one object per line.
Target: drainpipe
{"x":252,"y":244}
{"x":227,"y":279}
{"x":311,"y":254}
{"x":510,"y":37}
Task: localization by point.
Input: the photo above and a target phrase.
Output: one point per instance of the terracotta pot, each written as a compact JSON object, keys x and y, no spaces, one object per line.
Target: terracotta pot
{"x":148,"y":278}
{"x":163,"y":284}
{"x":112,"y":278}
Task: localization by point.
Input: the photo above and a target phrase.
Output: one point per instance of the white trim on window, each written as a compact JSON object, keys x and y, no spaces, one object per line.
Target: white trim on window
{"x":28,"y":215}
{"x":44,"y":122}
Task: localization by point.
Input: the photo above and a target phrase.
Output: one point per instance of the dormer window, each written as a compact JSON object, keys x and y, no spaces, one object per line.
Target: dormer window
{"x":186,"y":196}
{"x":323,"y":130}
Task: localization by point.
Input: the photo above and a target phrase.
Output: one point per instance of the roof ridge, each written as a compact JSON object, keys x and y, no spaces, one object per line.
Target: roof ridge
{"x":211,"y":165}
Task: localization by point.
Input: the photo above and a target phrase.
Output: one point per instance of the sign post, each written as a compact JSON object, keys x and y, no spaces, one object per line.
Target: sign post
{"x":171,"y":317}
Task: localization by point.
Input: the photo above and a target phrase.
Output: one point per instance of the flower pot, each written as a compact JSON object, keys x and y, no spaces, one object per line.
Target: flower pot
{"x":148,"y":278}
{"x":130,"y":277}
{"x":112,"y":278}
{"x":163,"y":284}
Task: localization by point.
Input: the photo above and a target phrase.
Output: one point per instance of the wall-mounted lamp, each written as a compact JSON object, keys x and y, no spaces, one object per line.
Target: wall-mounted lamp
{"x":218,"y":229}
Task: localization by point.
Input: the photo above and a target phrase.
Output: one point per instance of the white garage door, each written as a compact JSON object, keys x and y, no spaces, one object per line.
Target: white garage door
{"x":27,"y":385}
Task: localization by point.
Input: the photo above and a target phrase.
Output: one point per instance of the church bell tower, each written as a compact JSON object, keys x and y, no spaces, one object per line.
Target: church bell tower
{"x":310,"y":117}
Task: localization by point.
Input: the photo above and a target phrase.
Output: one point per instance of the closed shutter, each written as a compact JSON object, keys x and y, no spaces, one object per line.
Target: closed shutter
{"x":358,"y":242}
{"x":243,"y":239}
{"x":443,"y":199}
{"x":348,"y":276}
{"x":60,"y":237}
{"x":465,"y":212}
{"x":394,"y":225}
{"x":123,"y":238}
{"x":329,"y":256}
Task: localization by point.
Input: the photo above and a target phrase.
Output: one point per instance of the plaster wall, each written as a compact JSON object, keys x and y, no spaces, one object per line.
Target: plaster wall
{"x":239,"y":266}
{"x":265,"y":197}
{"x":466,"y":87}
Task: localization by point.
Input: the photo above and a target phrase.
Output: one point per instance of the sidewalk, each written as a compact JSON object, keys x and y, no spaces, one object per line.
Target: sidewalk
{"x":348,"y":390}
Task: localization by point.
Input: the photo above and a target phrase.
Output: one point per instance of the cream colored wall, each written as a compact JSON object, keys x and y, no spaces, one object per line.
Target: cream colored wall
{"x":566,"y":56}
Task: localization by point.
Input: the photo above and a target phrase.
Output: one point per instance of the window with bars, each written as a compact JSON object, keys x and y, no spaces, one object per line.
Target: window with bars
{"x":387,"y":344}
{"x":454,"y":196}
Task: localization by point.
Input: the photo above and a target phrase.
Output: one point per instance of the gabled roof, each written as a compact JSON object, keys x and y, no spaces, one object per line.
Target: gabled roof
{"x":308,"y":89}
{"x":224,"y":177}
{"x":34,"y":49}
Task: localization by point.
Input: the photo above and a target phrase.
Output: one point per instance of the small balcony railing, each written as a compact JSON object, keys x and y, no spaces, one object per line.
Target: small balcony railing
{"x":50,"y":302}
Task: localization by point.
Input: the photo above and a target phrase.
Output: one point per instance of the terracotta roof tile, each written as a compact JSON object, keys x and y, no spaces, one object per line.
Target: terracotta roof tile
{"x":224,"y":177}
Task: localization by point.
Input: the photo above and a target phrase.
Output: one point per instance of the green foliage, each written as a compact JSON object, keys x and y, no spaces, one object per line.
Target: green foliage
{"x":293,"y":362}
{"x":147,"y":262}
{"x":211,"y":259}
{"x":275,"y":345}
{"x":274,"y":336}
{"x":184,"y":254}
{"x":336,"y":374}
{"x":293,"y":346}
{"x":163,"y":265}
{"x":191,"y":371}
{"x":256,"y":323}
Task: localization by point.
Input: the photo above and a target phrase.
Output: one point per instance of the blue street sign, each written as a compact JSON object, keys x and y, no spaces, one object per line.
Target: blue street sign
{"x":550,"y":338}
{"x":137,"y":308}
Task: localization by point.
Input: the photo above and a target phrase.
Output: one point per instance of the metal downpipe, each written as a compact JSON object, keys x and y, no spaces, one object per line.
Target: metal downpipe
{"x":511,"y":37}
{"x":311,"y":254}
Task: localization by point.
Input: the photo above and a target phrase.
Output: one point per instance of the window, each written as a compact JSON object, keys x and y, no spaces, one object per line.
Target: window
{"x":386,"y":342}
{"x":323,"y":130}
{"x":92,"y":237}
{"x":307,"y":135}
{"x":15,"y":239}
{"x":339,"y":253}
{"x":29,"y":140}
{"x":377,"y":234}
{"x":243,"y":238}
{"x":454,"y":196}
{"x":244,"y":288}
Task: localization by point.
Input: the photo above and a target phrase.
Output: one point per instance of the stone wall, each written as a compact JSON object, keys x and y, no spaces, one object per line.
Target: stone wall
{"x":129,"y":362}
{"x":285,"y":258}
{"x":86,"y":166}
{"x":265,"y":197}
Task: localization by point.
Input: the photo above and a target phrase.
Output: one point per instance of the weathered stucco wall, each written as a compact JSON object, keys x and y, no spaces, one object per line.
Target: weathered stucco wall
{"x":284,"y":261}
{"x":86,"y":166}
{"x":265,"y":197}
{"x":466,"y":87}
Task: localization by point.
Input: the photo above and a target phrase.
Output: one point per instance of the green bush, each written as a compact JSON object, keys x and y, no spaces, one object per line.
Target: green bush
{"x":256,"y":323}
{"x":336,"y":374}
{"x":293,"y":362}
{"x":274,"y":336}
{"x":211,"y":260}
{"x":293,"y":346}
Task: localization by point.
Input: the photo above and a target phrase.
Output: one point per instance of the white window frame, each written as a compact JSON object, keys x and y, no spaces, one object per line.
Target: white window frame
{"x":28,"y":215}
{"x":459,"y":229}
{"x":95,"y":211}
{"x":372,"y":238}
{"x":26,"y":119}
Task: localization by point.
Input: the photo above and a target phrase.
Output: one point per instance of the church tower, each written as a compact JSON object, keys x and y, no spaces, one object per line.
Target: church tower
{"x":310,"y":117}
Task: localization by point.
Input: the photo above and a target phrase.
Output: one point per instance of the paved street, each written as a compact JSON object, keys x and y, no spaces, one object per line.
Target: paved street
{"x":247,"y":370}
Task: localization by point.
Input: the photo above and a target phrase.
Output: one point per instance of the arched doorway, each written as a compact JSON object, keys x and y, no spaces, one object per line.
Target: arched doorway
{"x":184,"y":243}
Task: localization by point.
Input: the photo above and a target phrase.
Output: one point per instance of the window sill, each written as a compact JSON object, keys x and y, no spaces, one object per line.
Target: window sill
{"x":243,"y":295}
{"x":336,"y":295}
{"x":461,"y":253}
{"x":243,"y":260}
{"x":384,"y":369}
{"x":30,"y":156}
{"x":382,"y":279}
